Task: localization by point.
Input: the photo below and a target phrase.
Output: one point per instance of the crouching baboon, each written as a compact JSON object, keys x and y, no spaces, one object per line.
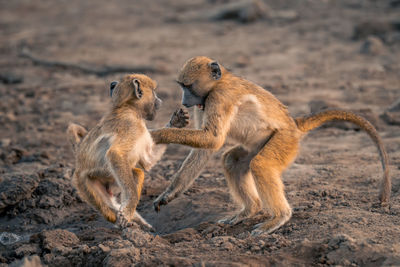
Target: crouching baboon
{"x":111,"y":157}
{"x":267,"y":140}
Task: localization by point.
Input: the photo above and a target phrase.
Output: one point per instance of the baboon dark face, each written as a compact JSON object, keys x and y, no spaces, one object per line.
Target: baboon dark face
{"x":190,"y":98}
{"x":197,"y":77}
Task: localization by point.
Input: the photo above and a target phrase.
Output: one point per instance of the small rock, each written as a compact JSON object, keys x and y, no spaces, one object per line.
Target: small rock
{"x":244,"y":11}
{"x":392,"y":114}
{"x":316,"y":204}
{"x":10,"y":78}
{"x":27,"y":250}
{"x":58,"y":238}
{"x":395,"y":106}
{"x":368,"y":28}
{"x":138,"y":237}
{"x":243,"y":235}
{"x":211,"y":229}
{"x":9,"y":238}
{"x":392,"y":118}
{"x":122,"y":257}
{"x":16,"y":187}
{"x":341,"y":240}
{"x":284,"y":16}
{"x":187,"y":234}
{"x":13,"y":155}
{"x":320,"y":105}
{"x":104,"y":248}
{"x":372,"y":46}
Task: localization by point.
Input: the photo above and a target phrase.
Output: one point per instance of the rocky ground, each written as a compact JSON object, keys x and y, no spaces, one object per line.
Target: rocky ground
{"x":58,"y":57}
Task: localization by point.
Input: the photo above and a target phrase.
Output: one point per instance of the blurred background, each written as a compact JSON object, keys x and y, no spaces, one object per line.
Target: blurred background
{"x":300,"y":50}
{"x":58,"y":58}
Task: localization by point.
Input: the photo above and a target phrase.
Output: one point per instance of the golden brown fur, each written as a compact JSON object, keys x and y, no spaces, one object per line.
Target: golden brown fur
{"x":110,"y":159}
{"x":267,"y":137}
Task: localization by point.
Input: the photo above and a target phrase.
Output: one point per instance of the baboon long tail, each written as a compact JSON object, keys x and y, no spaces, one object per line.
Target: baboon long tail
{"x":308,"y":123}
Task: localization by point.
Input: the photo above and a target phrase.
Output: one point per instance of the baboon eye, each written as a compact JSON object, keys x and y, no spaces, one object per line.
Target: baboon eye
{"x":112,"y":85}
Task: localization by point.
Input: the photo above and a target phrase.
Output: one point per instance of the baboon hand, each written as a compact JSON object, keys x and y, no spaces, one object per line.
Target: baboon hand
{"x":160,"y":201}
{"x":179,"y":119}
{"x":122,"y":220}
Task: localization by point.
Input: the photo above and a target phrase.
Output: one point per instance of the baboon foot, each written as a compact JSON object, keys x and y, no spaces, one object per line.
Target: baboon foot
{"x":237,"y":218}
{"x":271,"y":225}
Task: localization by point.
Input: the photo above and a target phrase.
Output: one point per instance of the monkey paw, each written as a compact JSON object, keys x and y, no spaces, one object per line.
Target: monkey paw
{"x":270,"y":225}
{"x":161,"y":200}
{"x":235,"y":219}
{"x":257,"y":232}
{"x":261,"y":228}
{"x":122,"y":220}
{"x":179,"y":119}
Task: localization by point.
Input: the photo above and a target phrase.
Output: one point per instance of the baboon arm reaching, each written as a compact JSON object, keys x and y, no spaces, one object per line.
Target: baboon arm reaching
{"x":211,"y":136}
{"x":184,"y":178}
{"x":179,"y":119}
{"x":188,"y":137}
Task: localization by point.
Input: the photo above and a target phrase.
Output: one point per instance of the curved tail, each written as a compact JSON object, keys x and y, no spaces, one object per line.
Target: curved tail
{"x":75,"y":134}
{"x":308,"y":123}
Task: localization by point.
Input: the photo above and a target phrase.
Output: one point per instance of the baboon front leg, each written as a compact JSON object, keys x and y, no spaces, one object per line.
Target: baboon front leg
{"x":188,"y":172}
{"x":93,"y":191}
{"x":184,"y":178}
{"x":241,"y":183}
{"x":266,"y":168}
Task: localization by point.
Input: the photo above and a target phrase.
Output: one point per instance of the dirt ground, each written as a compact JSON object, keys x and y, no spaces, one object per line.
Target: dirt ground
{"x":311,"y":54}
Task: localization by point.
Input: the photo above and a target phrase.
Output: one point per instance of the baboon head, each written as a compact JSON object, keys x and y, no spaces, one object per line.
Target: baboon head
{"x":197,"y":77}
{"x":138,"y":92}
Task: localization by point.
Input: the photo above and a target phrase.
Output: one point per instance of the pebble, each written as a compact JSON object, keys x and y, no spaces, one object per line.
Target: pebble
{"x":372,"y":46}
{"x":9,"y":238}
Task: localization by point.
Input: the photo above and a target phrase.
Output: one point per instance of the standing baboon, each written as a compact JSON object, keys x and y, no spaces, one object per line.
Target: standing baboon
{"x":267,"y":137}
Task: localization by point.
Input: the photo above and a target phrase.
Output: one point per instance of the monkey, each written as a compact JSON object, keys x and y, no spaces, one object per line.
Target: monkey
{"x":266,"y":136}
{"x":111,"y":158}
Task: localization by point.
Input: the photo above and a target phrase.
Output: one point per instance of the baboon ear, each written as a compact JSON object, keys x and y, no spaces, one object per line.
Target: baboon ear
{"x":136,"y":86}
{"x":215,"y":70}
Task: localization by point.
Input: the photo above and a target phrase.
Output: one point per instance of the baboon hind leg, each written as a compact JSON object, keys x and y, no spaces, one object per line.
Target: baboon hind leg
{"x":130,"y":195}
{"x":92,"y":190}
{"x":267,"y":167}
{"x":130,"y":198}
{"x":241,"y":183}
